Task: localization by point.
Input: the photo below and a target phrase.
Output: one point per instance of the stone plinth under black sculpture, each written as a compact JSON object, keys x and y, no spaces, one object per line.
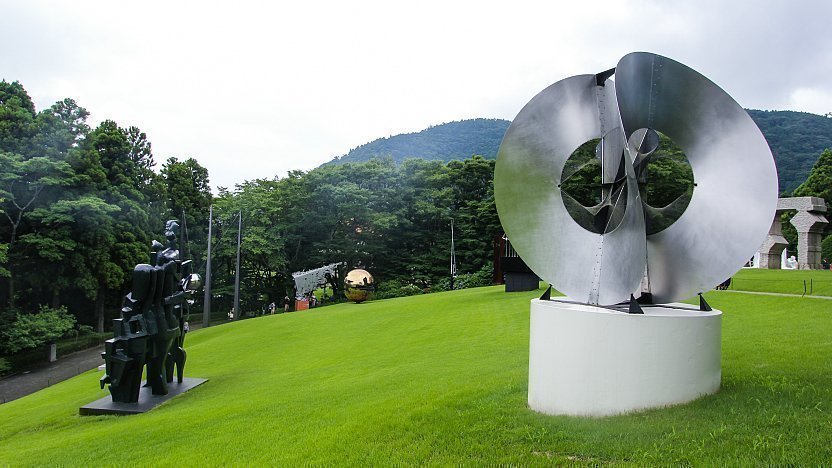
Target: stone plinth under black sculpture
{"x":518,"y":276}
{"x":150,"y":333}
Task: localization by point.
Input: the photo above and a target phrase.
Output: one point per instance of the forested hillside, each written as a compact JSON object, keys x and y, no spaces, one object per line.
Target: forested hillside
{"x":796,"y":140}
{"x":445,"y":142}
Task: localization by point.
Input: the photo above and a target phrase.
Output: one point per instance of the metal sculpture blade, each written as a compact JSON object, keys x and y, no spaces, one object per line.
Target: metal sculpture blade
{"x":588,"y":267}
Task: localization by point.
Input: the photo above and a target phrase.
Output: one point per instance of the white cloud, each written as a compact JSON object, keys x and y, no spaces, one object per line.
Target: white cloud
{"x":254,"y":89}
{"x":814,"y":100}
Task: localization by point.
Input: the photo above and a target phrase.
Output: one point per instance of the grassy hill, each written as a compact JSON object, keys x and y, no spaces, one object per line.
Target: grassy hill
{"x":796,"y":140}
{"x":439,"y":379}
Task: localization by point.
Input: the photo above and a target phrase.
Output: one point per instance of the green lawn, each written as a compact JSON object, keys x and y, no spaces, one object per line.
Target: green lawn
{"x":817,"y":282}
{"x":439,"y":379}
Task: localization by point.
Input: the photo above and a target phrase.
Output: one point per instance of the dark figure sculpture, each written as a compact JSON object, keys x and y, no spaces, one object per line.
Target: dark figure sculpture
{"x":149,"y":331}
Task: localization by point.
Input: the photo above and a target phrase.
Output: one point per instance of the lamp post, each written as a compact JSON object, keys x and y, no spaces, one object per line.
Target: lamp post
{"x":237,"y":273}
{"x":206,"y":303}
{"x":453,"y":255}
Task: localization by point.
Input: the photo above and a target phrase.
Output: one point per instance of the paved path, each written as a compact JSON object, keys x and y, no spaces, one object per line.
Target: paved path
{"x":20,"y":385}
{"x":777,"y":294}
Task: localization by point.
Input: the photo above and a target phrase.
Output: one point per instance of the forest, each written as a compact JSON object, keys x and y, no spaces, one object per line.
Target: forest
{"x":80,"y":207}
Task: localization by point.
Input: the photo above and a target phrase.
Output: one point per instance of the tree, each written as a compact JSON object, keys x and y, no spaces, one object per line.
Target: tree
{"x":60,"y":128}
{"x":819,"y":182}
{"x":151,"y":185}
{"x":112,"y":208}
{"x":17,"y":118}
{"x":189,"y":191}
{"x":140,"y":152}
{"x":21,"y":183}
{"x":474,"y":212}
{"x":32,"y":330}
{"x":4,"y":256}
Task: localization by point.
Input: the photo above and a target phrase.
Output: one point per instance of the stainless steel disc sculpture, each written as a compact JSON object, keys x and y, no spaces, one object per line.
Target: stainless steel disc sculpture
{"x":725,"y":221}
{"x":587,"y":355}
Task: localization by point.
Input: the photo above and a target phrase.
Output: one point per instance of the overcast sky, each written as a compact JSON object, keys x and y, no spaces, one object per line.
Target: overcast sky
{"x":255,"y":89}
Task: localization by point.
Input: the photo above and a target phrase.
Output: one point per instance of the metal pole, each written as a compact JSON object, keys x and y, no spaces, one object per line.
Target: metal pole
{"x":237,"y":273}
{"x":453,"y":255}
{"x":206,"y":302}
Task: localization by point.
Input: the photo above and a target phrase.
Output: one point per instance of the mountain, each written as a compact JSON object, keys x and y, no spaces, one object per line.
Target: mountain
{"x":448,"y":141}
{"x":796,"y":140}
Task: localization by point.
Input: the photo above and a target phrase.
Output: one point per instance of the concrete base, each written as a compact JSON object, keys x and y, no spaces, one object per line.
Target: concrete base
{"x":592,"y":361}
{"x":147,"y":400}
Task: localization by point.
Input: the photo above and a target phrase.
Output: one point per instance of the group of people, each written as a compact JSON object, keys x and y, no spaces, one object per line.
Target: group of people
{"x":311,"y":298}
{"x":273,"y":307}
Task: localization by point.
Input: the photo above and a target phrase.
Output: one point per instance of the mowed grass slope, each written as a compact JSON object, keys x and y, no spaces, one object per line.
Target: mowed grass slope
{"x":815,"y":282}
{"x":439,"y":379}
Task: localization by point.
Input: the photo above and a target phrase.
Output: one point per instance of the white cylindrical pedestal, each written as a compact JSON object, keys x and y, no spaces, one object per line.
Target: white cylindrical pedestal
{"x":591,"y":361}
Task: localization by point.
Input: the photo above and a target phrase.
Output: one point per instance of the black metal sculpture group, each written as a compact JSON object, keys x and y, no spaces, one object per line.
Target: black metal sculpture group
{"x":150,"y":330}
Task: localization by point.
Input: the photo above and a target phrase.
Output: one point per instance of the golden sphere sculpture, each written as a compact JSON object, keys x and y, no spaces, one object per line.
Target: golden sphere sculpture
{"x":358,"y":285}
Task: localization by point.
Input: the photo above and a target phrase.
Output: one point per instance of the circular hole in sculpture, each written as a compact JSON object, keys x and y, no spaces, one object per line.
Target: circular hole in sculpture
{"x":665,"y":179}
{"x":594,"y":188}
{"x":594,"y":196}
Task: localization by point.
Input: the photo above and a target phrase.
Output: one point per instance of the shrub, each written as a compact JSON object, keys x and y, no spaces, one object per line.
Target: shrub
{"x":393,"y":288}
{"x":32,"y":330}
{"x":5,"y":367}
{"x":410,"y":290}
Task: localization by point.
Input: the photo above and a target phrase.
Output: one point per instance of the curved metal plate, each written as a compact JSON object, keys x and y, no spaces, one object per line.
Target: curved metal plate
{"x":588,"y":267}
{"x":735,"y":198}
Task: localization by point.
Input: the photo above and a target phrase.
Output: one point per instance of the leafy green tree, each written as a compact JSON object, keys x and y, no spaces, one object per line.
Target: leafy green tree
{"x":32,"y":330}
{"x":21,"y":183}
{"x":150,"y":184}
{"x":17,"y":118}
{"x":474,"y":212}
{"x":819,"y":182}
{"x":121,"y":236}
{"x":140,"y":153}
{"x":188,"y":191}
{"x":60,"y":128}
{"x":826,"y":248}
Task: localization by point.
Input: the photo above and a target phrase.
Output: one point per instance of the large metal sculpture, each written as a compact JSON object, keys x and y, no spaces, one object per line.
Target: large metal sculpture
{"x":358,"y":284}
{"x":150,"y":330}
{"x":588,"y":356}
{"x":308,"y":281}
{"x":725,"y":219}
